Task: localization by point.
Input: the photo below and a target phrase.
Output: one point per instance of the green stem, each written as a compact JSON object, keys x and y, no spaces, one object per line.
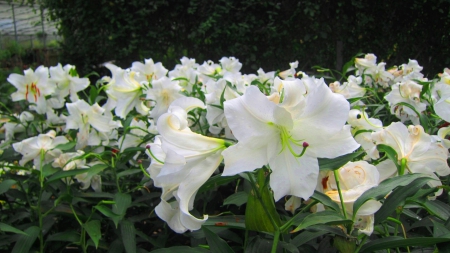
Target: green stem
{"x":276,"y":238}
{"x":38,"y":209}
{"x":336,"y":176}
{"x":361,"y":244}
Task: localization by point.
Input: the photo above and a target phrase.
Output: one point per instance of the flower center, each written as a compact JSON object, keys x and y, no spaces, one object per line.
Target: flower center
{"x":288,"y":142}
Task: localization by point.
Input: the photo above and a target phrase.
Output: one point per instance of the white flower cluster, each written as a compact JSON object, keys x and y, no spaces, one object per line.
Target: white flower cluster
{"x":200,"y":115}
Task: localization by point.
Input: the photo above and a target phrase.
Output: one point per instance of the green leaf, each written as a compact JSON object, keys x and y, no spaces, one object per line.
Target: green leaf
{"x":325,"y":200}
{"x":94,"y":170}
{"x":5,"y":185}
{"x":238,"y":199}
{"x":396,"y":242}
{"x":93,"y":229}
{"x":397,"y":198}
{"x":24,"y":242}
{"x":107,"y":212}
{"x":324,"y":217}
{"x":235,"y":221}
{"x":216,"y":181}
{"x":66,"y":146}
{"x":336,"y":163}
{"x":260,"y":206}
{"x":216,"y":244}
{"x":7,"y":228}
{"x":93,"y":93}
{"x":66,"y":236}
{"x":181,"y":249}
{"x":122,"y":202}
{"x":435,"y":207}
{"x":128,"y":233}
{"x":385,"y":187}
{"x":128,"y":172}
{"x":65,"y":173}
{"x":390,"y":153}
{"x":307,"y":236}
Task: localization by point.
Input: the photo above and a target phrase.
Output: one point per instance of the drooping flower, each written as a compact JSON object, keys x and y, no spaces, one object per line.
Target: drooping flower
{"x":33,"y":86}
{"x":288,"y":136}
{"x":182,"y":161}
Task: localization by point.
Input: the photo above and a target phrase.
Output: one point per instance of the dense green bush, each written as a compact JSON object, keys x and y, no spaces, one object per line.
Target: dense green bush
{"x":260,"y":33}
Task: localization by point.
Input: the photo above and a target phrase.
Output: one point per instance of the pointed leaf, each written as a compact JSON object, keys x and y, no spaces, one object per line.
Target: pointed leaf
{"x":122,"y":202}
{"x":398,"y":197}
{"x":66,"y":146}
{"x":390,"y":153}
{"x":216,"y":181}
{"x":66,"y":236}
{"x":7,"y":228}
{"x":25,"y":242}
{"x":325,"y":200}
{"x":385,"y":187}
{"x":64,"y":174}
{"x":336,"y":163}
{"x":235,"y":221}
{"x":324,"y":217}
{"x":94,"y":170}
{"x":128,"y":233}
{"x":93,"y":229}
{"x":216,"y":244}
{"x":238,"y":199}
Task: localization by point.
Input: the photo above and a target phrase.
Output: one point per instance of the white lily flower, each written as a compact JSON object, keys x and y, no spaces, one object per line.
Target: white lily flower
{"x":83,"y":116}
{"x":182,"y":162}
{"x":289,"y":136}
{"x":148,"y":70}
{"x":355,"y":178}
{"x":415,"y":149}
{"x":33,"y":86}
{"x":361,"y":121}
{"x":31,"y":148}
{"x":126,"y":91}
{"x":164,"y":91}
{"x":350,"y":89}
{"x":441,"y":91}
{"x":66,"y":82}
{"x":406,"y":92}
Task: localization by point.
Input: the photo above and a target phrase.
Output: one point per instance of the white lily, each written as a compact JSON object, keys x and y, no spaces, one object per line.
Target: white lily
{"x":355,"y":178}
{"x":182,"y":162}
{"x":83,"y":116}
{"x":33,"y":86}
{"x":288,"y":136}
{"x":126,"y":91}
{"x":163,"y":92}
{"x":32,"y":148}
{"x":416,"y":151}
{"x":66,"y":82}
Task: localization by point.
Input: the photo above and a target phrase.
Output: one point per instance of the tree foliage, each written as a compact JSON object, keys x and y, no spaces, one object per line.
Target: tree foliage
{"x":259,"y":33}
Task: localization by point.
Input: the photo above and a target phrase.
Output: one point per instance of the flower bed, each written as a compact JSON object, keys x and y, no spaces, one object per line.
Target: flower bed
{"x":358,"y":157}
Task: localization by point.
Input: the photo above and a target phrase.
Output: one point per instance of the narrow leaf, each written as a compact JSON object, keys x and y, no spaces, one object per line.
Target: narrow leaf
{"x":324,"y":217}
{"x":398,"y":197}
{"x":128,"y":233}
{"x":385,"y":187}
{"x":64,"y":174}
{"x":325,"y":200}
{"x":336,"y":163}
{"x":93,"y":229}
{"x":7,"y":228}
{"x":66,"y":146}
{"x":216,"y":244}
{"x":25,"y":242}
{"x":66,"y":236}
{"x":238,"y":199}
{"x":390,"y":153}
